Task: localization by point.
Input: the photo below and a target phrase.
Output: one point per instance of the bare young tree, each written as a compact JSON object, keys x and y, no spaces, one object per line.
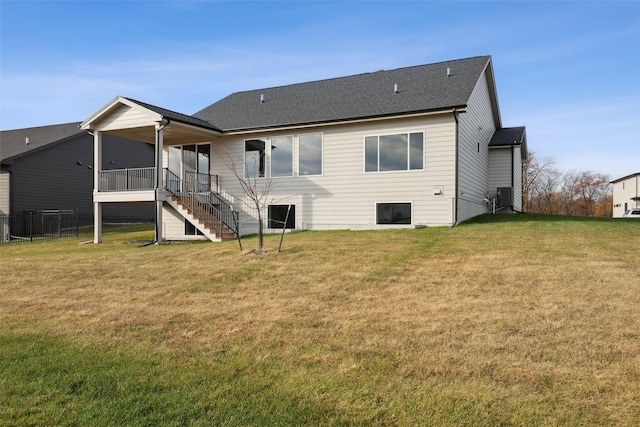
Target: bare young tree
{"x":540,"y":183}
{"x":256,"y":186}
{"x":588,"y":191}
{"x":567,"y":196}
{"x":547,"y":190}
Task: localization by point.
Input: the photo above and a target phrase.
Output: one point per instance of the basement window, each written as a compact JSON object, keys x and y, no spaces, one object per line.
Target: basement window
{"x":278,"y":215}
{"x":393,"y":213}
{"x":190,"y":229}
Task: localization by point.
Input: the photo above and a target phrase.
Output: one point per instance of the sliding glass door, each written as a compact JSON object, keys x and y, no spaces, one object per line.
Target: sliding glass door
{"x":191,"y":163}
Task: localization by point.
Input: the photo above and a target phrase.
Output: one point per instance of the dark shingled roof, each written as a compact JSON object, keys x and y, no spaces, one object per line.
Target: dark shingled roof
{"x":13,"y":142}
{"x":175,"y":116}
{"x":508,"y":136}
{"x":420,"y":89}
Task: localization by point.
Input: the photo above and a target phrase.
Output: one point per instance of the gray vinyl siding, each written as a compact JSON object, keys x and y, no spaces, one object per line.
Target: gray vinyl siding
{"x":61,"y":177}
{"x":517,"y":179}
{"x":500,"y":167}
{"x":476,"y":127}
{"x":344,"y":196}
{"x":5,"y":188}
{"x":505,"y":170}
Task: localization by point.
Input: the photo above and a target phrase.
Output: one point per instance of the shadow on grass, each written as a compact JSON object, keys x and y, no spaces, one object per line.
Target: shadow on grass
{"x":72,"y":385}
{"x":526,"y":217}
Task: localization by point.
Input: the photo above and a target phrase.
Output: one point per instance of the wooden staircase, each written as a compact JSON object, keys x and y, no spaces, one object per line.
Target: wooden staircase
{"x":209,"y":214}
{"x":194,"y":214}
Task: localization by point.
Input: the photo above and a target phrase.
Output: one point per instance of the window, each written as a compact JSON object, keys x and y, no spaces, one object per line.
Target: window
{"x":203,"y":179}
{"x":278,"y":216}
{"x":281,"y":156}
{"x":371,"y":154}
{"x":175,"y":160}
{"x":191,"y":230}
{"x":191,"y":164}
{"x":204,"y":152}
{"x":393,"y":213}
{"x":310,"y":154}
{"x":394,"y":152}
{"x":254,"y":158}
{"x":416,"y":151}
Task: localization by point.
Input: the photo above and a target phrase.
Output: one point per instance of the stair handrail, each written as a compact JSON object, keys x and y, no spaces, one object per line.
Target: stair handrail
{"x":203,"y":204}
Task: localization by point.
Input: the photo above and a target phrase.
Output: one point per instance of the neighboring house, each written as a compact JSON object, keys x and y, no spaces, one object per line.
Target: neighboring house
{"x":415,"y":146}
{"x":51,"y":168}
{"x":626,"y":194}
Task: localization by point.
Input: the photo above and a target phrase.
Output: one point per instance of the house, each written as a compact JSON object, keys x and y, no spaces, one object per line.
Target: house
{"x":409,"y":147}
{"x":51,"y":168}
{"x":626,"y":194}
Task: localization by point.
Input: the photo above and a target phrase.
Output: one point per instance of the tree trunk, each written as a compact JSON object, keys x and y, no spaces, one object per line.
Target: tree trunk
{"x":260,"y":232}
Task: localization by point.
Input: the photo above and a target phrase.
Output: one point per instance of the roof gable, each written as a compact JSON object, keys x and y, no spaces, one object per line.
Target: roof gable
{"x":419,"y":89}
{"x":175,"y":116}
{"x":121,"y":113}
{"x":127,"y":113}
{"x":510,"y":137}
{"x":13,"y":143}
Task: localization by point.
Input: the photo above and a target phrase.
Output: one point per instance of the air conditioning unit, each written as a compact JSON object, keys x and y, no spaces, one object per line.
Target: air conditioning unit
{"x":504,"y":196}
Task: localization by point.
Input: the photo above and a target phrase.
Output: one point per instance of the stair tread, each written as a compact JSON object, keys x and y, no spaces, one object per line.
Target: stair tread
{"x":196,"y":215}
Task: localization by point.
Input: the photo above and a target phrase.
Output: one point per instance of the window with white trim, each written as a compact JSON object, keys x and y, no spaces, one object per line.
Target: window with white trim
{"x":310,"y":154}
{"x":398,"y":152}
{"x":281,"y":156}
{"x":393,"y":213}
{"x":254,"y":158}
{"x":282,"y":216}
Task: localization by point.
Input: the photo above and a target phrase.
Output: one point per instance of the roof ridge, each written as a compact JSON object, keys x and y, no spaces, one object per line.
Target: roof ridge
{"x":157,"y":107}
{"x":177,"y":115}
{"x":360,"y":74}
{"x":43,"y":126}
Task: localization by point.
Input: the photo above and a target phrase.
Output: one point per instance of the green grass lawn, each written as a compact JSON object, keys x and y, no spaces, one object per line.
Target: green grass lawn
{"x":505,"y":320}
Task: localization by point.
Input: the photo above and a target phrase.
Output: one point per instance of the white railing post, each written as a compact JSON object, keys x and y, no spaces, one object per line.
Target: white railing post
{"x":158,"y":183}
{"x":97,"y":168}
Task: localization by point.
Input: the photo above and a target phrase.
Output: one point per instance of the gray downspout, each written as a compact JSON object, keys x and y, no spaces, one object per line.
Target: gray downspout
{"x":512,"y":171}
{"x":455,"y":197}
{"x":513,"y":178}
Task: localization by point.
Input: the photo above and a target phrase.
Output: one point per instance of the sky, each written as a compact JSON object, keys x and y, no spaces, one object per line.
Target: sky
{"x":567,"y":70}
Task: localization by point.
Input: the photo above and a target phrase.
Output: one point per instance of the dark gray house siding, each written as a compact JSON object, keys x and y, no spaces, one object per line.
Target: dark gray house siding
{"x":59,"y":175}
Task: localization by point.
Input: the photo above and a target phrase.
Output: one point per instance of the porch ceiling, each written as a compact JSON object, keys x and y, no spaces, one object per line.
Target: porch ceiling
{"x":173,"y":134}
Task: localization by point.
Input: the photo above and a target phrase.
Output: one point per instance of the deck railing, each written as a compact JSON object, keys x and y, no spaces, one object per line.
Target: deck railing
{"x":135,"y":179}
{"x":201,"y":182}
{"x":206,"y":205}
{"x":132,"y":179}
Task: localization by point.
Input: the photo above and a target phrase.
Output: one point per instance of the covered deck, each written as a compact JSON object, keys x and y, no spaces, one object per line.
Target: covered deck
{"x":131,"y":119}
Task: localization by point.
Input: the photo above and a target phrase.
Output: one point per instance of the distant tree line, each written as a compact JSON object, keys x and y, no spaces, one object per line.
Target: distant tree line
{"x":546,"y":189}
